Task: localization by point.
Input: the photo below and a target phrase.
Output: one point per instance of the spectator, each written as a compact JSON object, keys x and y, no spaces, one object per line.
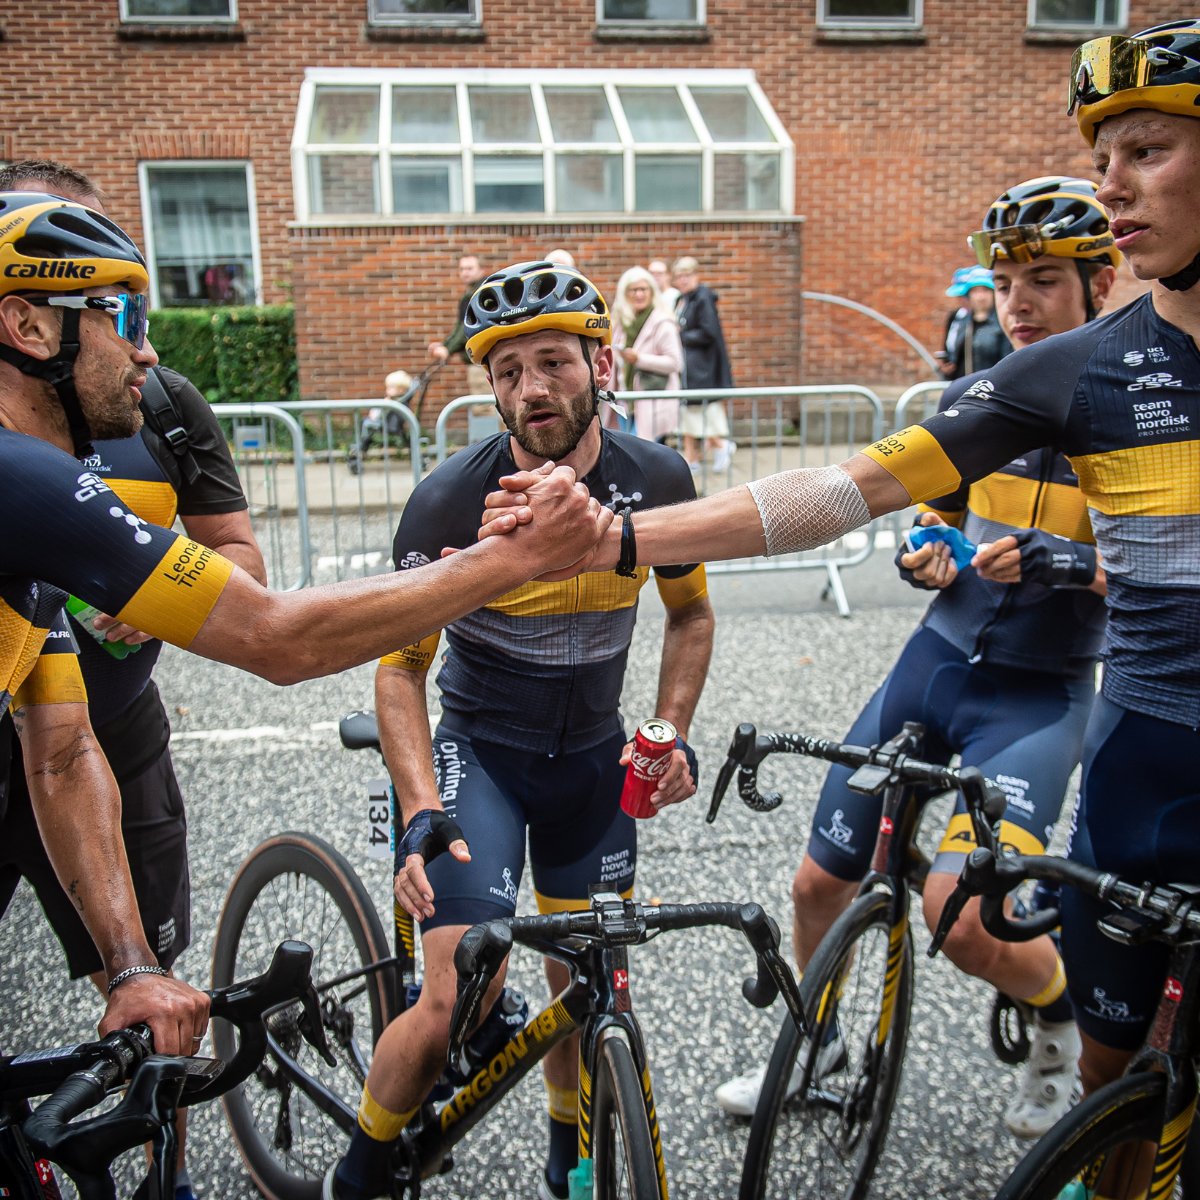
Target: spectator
{"x":471,"y":272}
{"x":561,"y":258}
{"x":647,"y":345}
{"x":662,"y":276}
{"x":705,"y":365}
{"x":974,"y":339}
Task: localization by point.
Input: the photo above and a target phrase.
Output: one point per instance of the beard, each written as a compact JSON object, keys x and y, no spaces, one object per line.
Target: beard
{"x":557,"y":442}
{"x":113,"y":416}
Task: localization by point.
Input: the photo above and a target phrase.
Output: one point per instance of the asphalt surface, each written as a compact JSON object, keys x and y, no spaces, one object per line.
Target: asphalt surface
{"x":254,"y":760}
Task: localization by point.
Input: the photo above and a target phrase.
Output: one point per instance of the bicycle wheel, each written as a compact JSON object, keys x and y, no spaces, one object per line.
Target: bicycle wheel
{"x":296,"y":885}
{"x":622,"y":1150}
{"x":1085,"y":1142}
{"x":823,"y":1142}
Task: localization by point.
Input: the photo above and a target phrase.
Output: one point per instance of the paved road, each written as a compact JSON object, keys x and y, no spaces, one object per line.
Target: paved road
{"x":255,"y":759}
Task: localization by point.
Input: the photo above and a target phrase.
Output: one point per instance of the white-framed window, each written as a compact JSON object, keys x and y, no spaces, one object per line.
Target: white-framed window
{"x":179,"y":10}
{"x":869,"y":14}
{"x":425,"y":12}
{"x":1078,"y":14}
{"x":650,"y":12}
{"x":420,"y":143}
{"x":201,"y":232}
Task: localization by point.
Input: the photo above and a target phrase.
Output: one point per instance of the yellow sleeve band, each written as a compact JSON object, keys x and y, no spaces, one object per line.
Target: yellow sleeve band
{"x":55,"y":679}
{"x":916,"y":460}
{"x":679,"y":593}
{"x":416,"y":657}
{"x":176,"y":597}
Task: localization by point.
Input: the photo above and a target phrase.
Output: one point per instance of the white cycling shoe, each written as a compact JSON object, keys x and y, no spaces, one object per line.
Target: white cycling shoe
{"x":1050,"y":1084}
{"x":739,"y":1097}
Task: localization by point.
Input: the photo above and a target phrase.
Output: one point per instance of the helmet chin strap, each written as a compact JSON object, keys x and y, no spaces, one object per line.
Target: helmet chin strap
{"x":1085,"y":277}
{"x":1183,"y":280}
{"x":59,"y":372}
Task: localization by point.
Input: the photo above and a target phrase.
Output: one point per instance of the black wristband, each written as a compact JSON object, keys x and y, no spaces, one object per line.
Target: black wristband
{"x":627,"y":563}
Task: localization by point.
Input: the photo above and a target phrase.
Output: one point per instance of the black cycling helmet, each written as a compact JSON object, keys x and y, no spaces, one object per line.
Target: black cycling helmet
{"x":50,"y":245}
{"x":1054,"y":215}
{"x":1158,"y":68}
{"x":530,"y":296}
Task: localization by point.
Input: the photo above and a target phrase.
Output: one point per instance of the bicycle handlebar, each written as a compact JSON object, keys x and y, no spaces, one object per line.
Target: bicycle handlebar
{"x":892,"y":766}
{"x":612,"y":921}
{"x":83,"y":1075}
{"x":1169,"y":914}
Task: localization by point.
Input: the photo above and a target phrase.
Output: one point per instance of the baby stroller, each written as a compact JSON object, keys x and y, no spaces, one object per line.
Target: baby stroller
{"x":401,"y":387}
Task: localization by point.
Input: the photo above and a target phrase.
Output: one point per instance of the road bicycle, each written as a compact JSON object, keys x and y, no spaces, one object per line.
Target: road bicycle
{"x":856,"y":992}
{"x":1131,"y":1137}
{"x":291,"y":1119}
{"x":79,"y":1077}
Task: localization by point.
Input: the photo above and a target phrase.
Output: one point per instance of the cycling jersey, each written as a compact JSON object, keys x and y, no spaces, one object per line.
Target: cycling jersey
{"x":1028,"y":624}
{"x":1121,"y":398}
{"x":145,"y":474}
{"x":541,"y":668}
{"x":67,"y":531}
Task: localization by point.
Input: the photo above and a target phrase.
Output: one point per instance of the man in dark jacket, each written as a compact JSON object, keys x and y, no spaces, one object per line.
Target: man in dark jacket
{"x":471,"y":272}
{"x":705,"y":365}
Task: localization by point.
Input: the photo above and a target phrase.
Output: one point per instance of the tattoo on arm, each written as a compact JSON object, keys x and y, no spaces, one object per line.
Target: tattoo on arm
{"x":18,"y":718}
{"x":73,"y":891}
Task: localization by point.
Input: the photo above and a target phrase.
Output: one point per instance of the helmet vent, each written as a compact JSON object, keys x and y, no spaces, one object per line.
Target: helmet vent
{"x":514,"y":292}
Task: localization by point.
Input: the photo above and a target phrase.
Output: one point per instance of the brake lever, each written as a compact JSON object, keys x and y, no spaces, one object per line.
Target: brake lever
{"x":955,"y":903}
{"x":313,"y":1028}
{"x":466,"y":1014}
{"x":739,"y":749}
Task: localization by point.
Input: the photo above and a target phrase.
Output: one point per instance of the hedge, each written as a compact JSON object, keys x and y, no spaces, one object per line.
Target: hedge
{"x":235,"y":355}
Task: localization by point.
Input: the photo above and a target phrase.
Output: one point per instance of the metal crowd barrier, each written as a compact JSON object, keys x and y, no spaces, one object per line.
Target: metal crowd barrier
{"x":344,"y":520}
{"x":316,"y":517}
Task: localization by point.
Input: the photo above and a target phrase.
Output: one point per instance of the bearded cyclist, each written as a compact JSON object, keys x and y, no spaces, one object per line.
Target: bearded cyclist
{"x":530,"y":742}
{"x":73,"y":352}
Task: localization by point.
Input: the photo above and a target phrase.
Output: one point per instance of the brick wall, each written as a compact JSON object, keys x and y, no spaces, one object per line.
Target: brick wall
{"x":900,"y":146}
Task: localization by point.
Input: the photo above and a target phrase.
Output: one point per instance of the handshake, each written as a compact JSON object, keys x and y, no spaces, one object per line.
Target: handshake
{"x":560,"y":529}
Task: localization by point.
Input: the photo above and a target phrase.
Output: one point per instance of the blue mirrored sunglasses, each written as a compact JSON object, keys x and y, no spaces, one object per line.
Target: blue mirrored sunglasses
{"x":129,"y":311}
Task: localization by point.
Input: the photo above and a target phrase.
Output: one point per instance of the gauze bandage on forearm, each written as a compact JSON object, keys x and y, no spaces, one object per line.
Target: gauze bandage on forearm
{"x":803,"y":509}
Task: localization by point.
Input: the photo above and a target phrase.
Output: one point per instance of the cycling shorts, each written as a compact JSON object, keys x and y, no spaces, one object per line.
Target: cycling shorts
{"x":154,"y":826}
{"x":1138,"y":816}
{"x":1022,"y":728}
{"x":579,"y":839}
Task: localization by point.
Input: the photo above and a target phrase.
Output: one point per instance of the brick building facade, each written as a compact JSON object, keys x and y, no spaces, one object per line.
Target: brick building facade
{"x":901,"y":138}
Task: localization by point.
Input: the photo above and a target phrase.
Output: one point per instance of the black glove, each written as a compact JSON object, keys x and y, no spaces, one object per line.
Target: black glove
{"x":690,"y":755}
{"x":428,"y":834}
{"x":907,"y":575}
{"x":1055,"y":561}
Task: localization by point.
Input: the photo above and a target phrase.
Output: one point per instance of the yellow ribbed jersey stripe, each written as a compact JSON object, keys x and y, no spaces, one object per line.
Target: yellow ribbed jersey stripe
{"x":176,"y":598}
{"x":153,"y":500}
{"x":1147,"y":481}
{"x":1020,"y":502}
{"x":54,"y":679}
{"x":916,"y":461}
{"x":603,"y":591}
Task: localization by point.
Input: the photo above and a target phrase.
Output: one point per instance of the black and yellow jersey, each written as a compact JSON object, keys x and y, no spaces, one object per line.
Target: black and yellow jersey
{"x":66,"y":532}
{"x":146,"y":476}
{"x":1121,"y":398}
{"x":1026,"y":625}
{"x":540,"y":669}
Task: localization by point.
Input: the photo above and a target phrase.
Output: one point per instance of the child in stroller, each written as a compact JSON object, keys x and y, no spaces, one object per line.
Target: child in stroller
{"x":403,"y":388}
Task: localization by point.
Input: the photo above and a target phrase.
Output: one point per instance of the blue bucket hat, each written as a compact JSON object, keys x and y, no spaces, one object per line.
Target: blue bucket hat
{"x":966,"y":278}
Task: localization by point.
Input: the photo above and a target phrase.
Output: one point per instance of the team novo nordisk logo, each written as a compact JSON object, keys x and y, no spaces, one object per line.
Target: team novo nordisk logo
{"x":838,"y":830}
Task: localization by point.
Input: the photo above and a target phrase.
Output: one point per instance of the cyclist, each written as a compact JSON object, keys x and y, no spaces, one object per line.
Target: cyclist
{"x":128,"y":717}
{"x":1121,"y":398}
{"x":1002,"y":667}
{"x":530,"y":737}
{"x":73,"y":354}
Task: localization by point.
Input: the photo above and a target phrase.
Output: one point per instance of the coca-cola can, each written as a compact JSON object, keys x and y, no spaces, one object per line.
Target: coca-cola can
{"x":652,"y":746}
